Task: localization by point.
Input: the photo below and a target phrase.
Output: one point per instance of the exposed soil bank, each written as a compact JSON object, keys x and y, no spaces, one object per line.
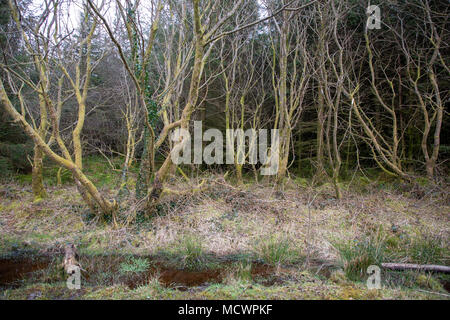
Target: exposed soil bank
{"x":105,"y":270}
{"x":14,"y":271}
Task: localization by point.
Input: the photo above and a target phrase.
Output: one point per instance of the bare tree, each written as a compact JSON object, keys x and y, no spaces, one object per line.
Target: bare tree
{"x":422,"y":61}
{"x":51,"y":110}
{"x":291,"y":80}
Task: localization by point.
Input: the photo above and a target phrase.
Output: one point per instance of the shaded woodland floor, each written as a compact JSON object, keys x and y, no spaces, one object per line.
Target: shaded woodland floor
{"x":227,"y":242}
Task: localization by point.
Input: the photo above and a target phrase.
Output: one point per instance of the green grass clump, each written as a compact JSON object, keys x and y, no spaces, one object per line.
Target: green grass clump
{"x":191,"y":252}
{"x":357,"y":256}
{"x":187,"y":253}
{"x":134,"y":265}
{"x":421,"y":248}
{"x":275,"y":250}
{"x":244,"y":271}
{"x":428,"y":249}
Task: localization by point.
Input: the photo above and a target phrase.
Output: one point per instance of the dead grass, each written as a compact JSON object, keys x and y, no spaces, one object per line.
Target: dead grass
{"x":227,"y":222}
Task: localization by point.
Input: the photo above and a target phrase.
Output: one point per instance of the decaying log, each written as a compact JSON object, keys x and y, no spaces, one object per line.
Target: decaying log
{"x":420,"y":267}
{"x":70,"y":257}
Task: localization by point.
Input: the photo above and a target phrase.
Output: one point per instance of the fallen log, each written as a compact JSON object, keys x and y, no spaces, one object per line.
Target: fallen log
{"x":419,"y":267}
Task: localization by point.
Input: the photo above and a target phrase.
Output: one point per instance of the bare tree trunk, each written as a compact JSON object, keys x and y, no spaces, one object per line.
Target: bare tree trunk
{"x":156,"y":188}
{"x":37,"y":179}
{"x":320,"y":131}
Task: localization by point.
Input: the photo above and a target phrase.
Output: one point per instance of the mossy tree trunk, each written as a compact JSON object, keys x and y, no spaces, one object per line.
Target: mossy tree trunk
{"x":37,"y":177}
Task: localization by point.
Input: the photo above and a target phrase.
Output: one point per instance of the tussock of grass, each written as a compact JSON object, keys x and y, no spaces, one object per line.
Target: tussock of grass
{"x":428,"y":249}
{"x":191,"y":251}
{"x":423,"y":248}
{"x":275,"y":250}
{"x":415,"y":280}
{"x":244,"y":271}
{"x":239,"y":272}
{"x":357,"y":256}
{"x":134,"y":265}
{"x":187,"y":252}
